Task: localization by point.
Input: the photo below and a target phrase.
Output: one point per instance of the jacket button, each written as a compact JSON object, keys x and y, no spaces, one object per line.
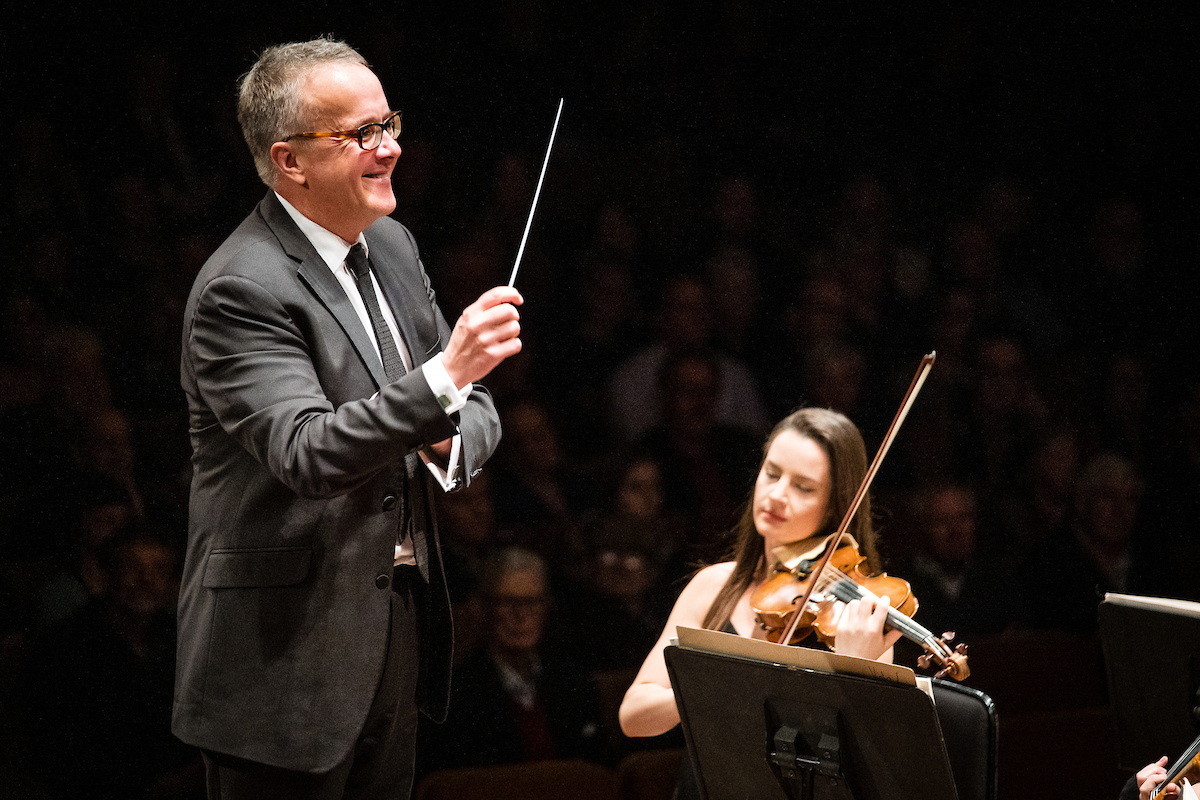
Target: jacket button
{"x":389,"y":502}
{"x":382,"y":581}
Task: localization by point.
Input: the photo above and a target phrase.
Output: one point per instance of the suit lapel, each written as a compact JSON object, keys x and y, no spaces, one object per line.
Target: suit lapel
{"x":320,"y":280}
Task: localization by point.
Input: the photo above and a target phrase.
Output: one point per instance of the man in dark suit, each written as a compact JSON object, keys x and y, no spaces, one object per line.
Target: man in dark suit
{"x":328,"y":398}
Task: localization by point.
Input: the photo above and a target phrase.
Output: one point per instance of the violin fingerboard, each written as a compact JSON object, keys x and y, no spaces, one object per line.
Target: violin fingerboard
{"x":846,"y":590}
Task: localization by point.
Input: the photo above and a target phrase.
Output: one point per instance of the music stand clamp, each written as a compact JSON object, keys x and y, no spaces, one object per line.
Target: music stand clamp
{"x":800,"y":759}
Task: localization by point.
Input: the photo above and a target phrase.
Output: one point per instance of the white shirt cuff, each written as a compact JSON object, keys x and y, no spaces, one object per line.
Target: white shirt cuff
{"x":449,"y":396}
{"x":447,"y":478}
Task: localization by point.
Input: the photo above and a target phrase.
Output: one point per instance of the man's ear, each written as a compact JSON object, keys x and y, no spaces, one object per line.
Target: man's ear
{"x":286,"y":163}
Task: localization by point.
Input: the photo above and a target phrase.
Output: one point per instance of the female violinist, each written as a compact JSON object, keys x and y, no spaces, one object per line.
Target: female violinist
{"x":814,"y":462}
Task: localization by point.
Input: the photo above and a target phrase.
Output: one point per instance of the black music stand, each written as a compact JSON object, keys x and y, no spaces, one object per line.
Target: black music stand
{"x":1152,"y":656}
{"x":768,"y":731}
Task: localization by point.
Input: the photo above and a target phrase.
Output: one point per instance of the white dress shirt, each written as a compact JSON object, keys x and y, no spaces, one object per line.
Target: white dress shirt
{"x":333,"y":250}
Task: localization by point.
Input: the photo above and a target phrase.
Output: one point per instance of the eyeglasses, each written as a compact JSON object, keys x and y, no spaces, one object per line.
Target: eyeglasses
{"x":369,"y":136}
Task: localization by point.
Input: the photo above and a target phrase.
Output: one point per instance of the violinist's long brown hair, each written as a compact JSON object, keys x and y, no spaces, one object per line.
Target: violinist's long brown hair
{"x":843,"y":445}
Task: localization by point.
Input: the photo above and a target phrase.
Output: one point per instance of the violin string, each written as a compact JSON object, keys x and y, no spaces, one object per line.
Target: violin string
{"x":907,"y":626}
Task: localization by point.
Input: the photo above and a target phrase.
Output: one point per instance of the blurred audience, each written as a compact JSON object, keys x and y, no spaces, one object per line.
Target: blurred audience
{"x":684,"y":321}
{"x":1095,"y":552}
{"x":516,"y":698}
{"x":704,"y":463}
{"x":97,"y":710}
{"x":806,"y":243}
{"x":959,"y":587}
{"x":536,"y":492}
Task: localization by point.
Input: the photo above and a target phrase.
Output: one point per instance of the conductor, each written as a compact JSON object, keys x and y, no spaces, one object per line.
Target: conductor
{"x":328,"y":399}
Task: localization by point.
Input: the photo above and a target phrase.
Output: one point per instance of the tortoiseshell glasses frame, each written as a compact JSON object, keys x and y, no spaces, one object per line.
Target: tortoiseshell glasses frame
{"x":369,"y":136}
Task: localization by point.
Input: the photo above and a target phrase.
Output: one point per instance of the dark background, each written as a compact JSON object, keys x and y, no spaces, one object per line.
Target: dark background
{"x":124,"y":167}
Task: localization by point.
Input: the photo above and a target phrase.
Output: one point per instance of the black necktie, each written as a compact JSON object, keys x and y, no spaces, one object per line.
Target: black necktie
{"x":393,"y":367}
{"x":393,"y":364}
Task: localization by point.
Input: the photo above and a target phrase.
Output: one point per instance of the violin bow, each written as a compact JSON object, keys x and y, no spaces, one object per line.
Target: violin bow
{"x":910,"y":396}
{"x":537,"y":192}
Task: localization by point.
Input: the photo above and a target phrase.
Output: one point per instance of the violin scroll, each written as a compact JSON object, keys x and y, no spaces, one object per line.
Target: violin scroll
{"x":953,"y":663}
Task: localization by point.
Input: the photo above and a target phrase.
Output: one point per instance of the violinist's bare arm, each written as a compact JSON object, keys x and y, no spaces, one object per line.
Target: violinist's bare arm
{"x":649,"y":706}
{"x":860,"y":631}
{"x":1150,"y":776}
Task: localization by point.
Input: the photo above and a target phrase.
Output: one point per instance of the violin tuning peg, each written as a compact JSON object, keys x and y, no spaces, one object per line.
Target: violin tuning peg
{"x":923,"y":661}
{"x":948,"y":636}
{"x":961,"y":649}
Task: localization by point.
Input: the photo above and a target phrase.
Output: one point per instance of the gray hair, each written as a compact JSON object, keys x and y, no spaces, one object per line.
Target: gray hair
{"x":1103,"y":473}
{"x":507,"y":561}
{"x":270,"y":105}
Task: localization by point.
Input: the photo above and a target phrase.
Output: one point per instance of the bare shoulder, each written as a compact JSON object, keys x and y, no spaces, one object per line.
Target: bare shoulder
{"x":716,"y":573}
{"x":696,"y":598}
{"x":708,"y":581}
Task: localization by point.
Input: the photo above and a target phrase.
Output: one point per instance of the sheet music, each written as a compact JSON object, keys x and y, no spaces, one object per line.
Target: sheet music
{"x":802,"y":657}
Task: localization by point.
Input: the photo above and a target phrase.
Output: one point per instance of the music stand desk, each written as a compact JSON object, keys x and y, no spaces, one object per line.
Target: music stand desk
{"x":760,"y":729}
{"x":1152,"y":656}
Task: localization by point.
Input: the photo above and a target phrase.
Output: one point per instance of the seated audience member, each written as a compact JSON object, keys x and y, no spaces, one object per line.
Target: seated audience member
{"x":1006,"y":413}
{"x":623,"y":602}
{"x":1038,"y":504}
{"x":704,"y":462}
{"x":468,"y":530}
{"x":534,"y":490}
{"x":633,"y":496}
{"x":957,"y":588}
{"x":104,"y":508}
{"x":469,"y":534}
{"x":98,"y":710}
{"x":684,"y":321}
{"x":514,"y":699}
{"x":103,"y":445}
{"x":741,"y":322}
{"x":1094,"y":554}
{"x":625,"y":567}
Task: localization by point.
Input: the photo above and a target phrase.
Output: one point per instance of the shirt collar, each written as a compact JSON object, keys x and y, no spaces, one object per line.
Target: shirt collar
{"x":331,"y":247}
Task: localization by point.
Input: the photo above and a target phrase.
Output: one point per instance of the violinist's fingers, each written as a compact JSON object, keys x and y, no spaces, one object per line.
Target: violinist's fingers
{"x":1150,"y":776}
{"x":1146,"y":791}
{"x":1154,"y":770}
{"x":879,"y":611}
{"x":860,"y":630}
{"x":869,"y":613}
{"x":879,"y":615}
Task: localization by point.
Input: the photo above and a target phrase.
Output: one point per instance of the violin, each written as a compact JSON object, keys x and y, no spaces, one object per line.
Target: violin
{"x":845,"y":579}
{"x":803,"y":597}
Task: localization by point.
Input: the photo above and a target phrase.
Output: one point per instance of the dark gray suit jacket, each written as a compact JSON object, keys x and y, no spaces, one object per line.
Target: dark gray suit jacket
{"x":297,"y":474}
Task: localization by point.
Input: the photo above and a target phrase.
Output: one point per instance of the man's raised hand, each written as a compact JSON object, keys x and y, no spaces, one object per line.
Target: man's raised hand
{"x":487,"y":333}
